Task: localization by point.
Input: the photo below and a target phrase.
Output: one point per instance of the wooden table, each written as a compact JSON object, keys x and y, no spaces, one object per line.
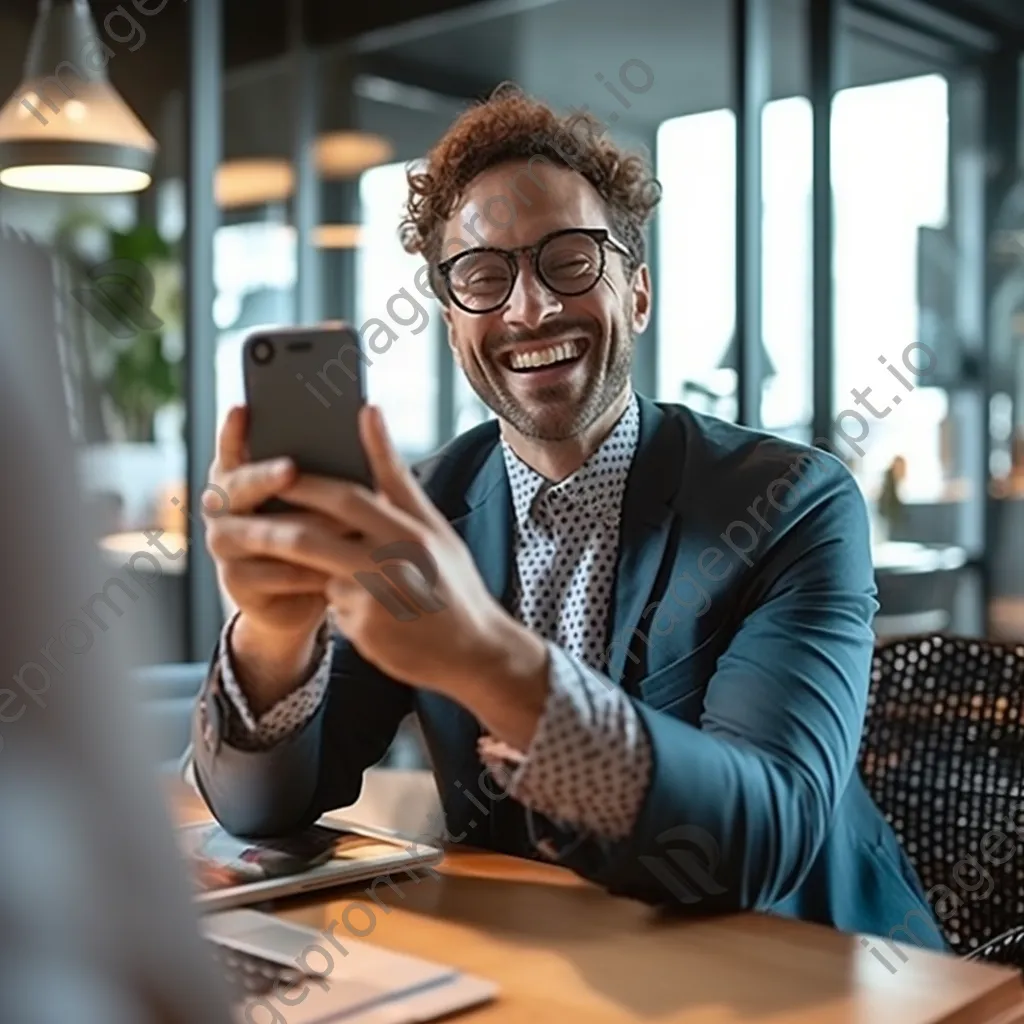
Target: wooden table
{"x":564,"y":951}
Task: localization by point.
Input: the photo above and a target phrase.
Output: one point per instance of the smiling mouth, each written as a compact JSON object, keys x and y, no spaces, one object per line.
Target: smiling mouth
{"x":561,"y":354}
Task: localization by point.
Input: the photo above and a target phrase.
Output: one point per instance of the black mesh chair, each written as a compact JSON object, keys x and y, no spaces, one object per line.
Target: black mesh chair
{"x":943,"y":756}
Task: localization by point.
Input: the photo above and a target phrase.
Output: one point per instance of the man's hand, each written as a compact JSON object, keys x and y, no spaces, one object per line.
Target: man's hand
{"x":454,"y":637}
{"x":282,"y":604}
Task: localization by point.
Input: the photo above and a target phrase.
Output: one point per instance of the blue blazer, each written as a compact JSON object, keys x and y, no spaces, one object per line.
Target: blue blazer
{"x":741,"y":630}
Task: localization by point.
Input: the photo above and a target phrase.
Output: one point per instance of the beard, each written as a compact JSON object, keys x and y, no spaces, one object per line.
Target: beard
{"x":563,"y":410}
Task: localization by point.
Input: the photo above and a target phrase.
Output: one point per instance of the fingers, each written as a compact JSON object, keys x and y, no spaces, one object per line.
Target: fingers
{"x":300,"y":540}
{"x":244,"y":485}
{"x":267,"y":576}
{"x":392,"y":476}
{"x":249,"y":486}
{"x":341,"y":591}
{"x":241,"y":537}
{"x":352,"y":507}
{"x":231,"y":446}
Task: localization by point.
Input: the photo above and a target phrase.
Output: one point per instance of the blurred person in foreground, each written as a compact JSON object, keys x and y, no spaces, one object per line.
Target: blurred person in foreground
{"x":96,"y":925}
{"x":637,"y":631}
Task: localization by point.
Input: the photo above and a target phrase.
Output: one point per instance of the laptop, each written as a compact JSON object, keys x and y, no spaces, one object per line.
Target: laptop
{"x":285,"y":973}
{"x":231,"y":872}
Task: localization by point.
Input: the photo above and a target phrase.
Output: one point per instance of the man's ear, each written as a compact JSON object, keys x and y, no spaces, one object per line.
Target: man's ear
{"x":641,"y":289}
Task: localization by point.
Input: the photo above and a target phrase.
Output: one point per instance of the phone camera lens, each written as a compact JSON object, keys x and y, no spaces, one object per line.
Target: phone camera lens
{"x":262,"y":352}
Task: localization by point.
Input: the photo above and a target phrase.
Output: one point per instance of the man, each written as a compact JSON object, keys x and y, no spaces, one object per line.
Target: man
{"x":640,"y":638}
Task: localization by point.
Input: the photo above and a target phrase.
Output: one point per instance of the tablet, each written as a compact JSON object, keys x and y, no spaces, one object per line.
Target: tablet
{"x":230,"y":872}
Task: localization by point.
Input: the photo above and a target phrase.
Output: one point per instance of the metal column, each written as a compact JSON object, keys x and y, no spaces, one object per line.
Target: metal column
{"x":752,"y":69}
{"x":823,"y":23}
{"x":1002,"y":145}
{"x":306,"y":198}
{"x":204,"y":145}
{"x":339,"y":198}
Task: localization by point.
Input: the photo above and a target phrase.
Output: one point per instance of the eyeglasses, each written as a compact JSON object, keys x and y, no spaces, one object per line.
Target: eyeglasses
{"x":567,"y":262}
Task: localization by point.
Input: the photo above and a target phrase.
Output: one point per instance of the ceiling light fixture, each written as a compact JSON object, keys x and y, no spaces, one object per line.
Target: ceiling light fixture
{"x":66,"y":128}
{"x":253,"y":182}
{"x":338,"y":236}
{"x":347,"y":154}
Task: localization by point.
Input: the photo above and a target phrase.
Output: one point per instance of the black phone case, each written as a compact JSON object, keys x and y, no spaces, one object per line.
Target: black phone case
{"x":304,"y":389}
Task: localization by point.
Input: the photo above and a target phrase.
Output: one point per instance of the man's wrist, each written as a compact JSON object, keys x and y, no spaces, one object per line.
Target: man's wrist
{"x":269,"y":664}
{"x":506,"y":684}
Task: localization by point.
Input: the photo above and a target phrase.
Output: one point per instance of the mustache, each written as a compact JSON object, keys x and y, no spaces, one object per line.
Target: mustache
{"x":554,"y":329}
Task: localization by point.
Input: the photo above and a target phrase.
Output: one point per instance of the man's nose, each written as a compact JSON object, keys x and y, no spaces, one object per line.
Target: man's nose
{"x":531,"y":302}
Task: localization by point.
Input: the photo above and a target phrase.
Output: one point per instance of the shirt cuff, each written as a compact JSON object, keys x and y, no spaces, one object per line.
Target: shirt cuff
{"x":589,"y":762}
{"x":289,"y":714}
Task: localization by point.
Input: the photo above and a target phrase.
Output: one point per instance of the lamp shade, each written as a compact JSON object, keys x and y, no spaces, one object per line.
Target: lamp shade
{"x":346,"y":154}
{"x":65,"y":128}
{"x":337,"y":236}
{"x":253,"y":182}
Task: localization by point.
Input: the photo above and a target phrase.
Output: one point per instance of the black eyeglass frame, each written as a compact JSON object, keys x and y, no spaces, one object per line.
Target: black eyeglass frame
{"x":602,"y":236}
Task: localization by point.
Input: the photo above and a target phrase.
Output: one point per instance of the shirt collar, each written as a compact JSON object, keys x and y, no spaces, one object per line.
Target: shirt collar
{"x":595,"y":490}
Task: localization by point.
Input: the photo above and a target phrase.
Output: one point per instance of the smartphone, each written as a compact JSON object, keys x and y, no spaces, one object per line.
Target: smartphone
{"x":304,"y":387}
{"x":291,"y":855}
{"x":219,"y":860}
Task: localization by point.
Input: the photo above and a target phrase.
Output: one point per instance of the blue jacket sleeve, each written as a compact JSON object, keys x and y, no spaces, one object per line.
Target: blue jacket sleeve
{"x":319,"y":768}
{"x":749,"y":796}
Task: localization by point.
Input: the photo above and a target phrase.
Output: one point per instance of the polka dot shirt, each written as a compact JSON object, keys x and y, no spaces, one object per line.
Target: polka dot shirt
{"x":589,"y":763}
{"x":286,"y":716}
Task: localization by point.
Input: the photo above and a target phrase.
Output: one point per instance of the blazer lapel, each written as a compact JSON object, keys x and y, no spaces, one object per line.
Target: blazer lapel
{"x":647,"y":517}
{"x":487,"y":526}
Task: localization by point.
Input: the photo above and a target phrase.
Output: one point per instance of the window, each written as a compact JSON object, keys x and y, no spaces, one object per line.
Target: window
{"x":697,"y":254}
{"x":696,"y":312}
{"x":890,"y":177}
{"x":254,"y":270}
{"x":890,"y":171}
{"x":400,"y":327}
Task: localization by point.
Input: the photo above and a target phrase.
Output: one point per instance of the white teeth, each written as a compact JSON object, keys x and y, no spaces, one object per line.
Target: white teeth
{"x":544,"y":356}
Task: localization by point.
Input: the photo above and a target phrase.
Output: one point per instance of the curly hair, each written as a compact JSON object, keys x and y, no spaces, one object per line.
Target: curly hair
{"x":510,"y":125}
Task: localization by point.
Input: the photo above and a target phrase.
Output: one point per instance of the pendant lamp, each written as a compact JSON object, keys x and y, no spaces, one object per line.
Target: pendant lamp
{"x":65,"y":128}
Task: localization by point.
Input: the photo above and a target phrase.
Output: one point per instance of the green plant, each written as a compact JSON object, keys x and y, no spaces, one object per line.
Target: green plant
{"x":130,"y":315}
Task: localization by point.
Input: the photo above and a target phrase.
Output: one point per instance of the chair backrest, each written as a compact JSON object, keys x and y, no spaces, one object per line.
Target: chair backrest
{"x":943,"y":756}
